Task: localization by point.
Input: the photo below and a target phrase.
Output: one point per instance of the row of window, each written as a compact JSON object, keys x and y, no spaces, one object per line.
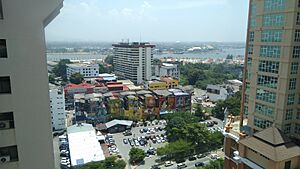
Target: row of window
{"x":291,"y":99}
{"x":268,"y":66}
{"x":264,"y":110}
{"x":273,"y":20}
{"x":266,"y":96}
{"x":292,"y":84}
{"x":262,"y":123}
{"x":267,"y":81}
{"x":271,"y":35}
{"x":288,"y":127}
{"x":273,"y":5}
{"x":270,"y":51}
{"x":294,"y":68}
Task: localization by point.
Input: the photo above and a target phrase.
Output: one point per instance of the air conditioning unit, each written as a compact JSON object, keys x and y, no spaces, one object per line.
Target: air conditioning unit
{"x":4,"y":125}
{"x":4,"y":159}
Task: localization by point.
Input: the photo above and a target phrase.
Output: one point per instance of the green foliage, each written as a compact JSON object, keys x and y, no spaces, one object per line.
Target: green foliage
{"x":232,"y":103}
{"x":185,"y":126}
{"x":60,"y":70}
{"x":216,"y":164}
{"x":108,"y":163}
{"x":178,"y":149}
{"x":156,"y":61}
{"x":136,"y":155}
{"x":201,"y":75}
{"x":109,"y":59}
{"x":199,"y":112}
{"x":76,"y":78}
{"x":51,"y":78}
{"x":102,"y":69}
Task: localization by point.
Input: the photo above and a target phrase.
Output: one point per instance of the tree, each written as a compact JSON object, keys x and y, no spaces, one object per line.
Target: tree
{"x":176,"y":150}
{"x":102,"y":69}
{"x":136,"y":155}
{"x":109,"y":59}
{"x":232,"y":104}
{"x":60,"y":70}
{"x":156,"y":61}
{"x":51,"y":78}
{"x":109,"y":163}
{"x":199,"y":112}
{"x":76,"y":78}
{"x":216,"y":164}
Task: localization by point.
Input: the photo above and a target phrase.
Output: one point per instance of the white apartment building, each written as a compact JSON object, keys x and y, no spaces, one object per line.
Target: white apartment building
{"x":57,"y":107}
{"x":85,"y":69}
{"x":166,"y":69}
{"x":25,"y":127}
{"x":133,"y":61}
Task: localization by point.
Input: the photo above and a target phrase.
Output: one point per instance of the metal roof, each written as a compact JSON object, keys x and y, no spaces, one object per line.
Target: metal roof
{"x":116,"y":122}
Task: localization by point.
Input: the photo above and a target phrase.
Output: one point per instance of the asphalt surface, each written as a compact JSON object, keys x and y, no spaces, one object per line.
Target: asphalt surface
{"x":125,"y":148}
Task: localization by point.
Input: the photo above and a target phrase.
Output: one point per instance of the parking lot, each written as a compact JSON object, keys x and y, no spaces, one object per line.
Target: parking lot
{"x":154,"y":143}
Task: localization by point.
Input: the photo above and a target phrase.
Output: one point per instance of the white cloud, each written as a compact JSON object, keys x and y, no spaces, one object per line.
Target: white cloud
{"x":127,"y":11}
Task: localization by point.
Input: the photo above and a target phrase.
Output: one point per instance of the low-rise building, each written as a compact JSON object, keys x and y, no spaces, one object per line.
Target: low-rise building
{"x":216,"y":92}
{"x":83,"y":144}
{"x":115,"y":126}
{"x":85,"y":69}
{"x":166,"y":69}
{"x":171,"y":82}
{"x":57,"y":107}
{"x":156,"y":85}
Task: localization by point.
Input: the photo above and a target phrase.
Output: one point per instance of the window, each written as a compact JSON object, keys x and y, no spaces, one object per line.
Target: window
{"x":297,"y":128}
{"x":267,"y":81}
{"x":261,"y":123}
{"x":6,"y":121}
{"x":271,"y":35}
{"x":296,"y":52}
{"x":272,"y":5}
{"x":11,"y":151}
{"x":269,"y":66}
{"x":289,"y":114}
{"x":287,"y":128}
{"x":273,"y":20}
{"x":297,"y":35}
{"x":251,"y":36}
{"x":266,"y":96}
{"x":294,"y":68}
{"x":264,"y":110}
{"x":298,"y":114}
{"x":5,"y":85}
{"x":3,"y":49}
{"x":250,"y":49}
{"x":291,"y":99}
{"x":292,"y":84}
{"x":298,"y":19}
{"x":1,"y":10}
{"x":270,"y":51}
{"x":287,"y":165}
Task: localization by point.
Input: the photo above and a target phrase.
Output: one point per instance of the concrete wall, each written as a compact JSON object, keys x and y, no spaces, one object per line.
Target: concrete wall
{"x":23,"y":29}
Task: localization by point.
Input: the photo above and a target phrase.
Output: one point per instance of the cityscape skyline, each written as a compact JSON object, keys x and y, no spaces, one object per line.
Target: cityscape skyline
{"x":102,"y":21}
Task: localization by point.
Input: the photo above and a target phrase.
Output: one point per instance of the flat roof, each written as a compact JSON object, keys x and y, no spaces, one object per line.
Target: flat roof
{"x":83,"y":144}
{"x":116,"y":122}
{"x":133,"y":45}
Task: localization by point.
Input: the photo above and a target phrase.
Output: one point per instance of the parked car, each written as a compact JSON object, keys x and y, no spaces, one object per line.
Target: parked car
{"x":125,"y":141}
{"x":200,"y":156}
{"x":214,"y":156}
{"x":192,"y":158}
{"x":168,"y":163}
{"x":199,"y":164}
{"x":181,"y":165}
{"x":155,"y":167}
{"x":127,"y":133}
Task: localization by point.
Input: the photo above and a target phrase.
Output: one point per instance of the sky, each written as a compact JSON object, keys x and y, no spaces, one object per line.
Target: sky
{"x":150,"y":20}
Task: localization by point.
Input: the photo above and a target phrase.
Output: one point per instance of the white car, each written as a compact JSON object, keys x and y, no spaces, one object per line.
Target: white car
{"x":214,"y":156}
{"x":168,"y":163}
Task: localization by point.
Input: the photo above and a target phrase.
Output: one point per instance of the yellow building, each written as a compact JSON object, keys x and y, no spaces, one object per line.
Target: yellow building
{"x":156,"y":85}
{"x":171,"y":82}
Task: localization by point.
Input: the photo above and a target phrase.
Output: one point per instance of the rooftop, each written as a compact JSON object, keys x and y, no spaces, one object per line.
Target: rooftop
{"x":116,"y":122}
{"x":133,"y":45}
{"x":162,"y":92}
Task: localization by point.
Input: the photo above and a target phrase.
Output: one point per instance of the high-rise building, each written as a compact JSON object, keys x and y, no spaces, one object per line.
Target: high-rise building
{"x":25,"y":119}
{"x":57,"y":107}
{"x":271,"y":90}
{"x":133,"y":61}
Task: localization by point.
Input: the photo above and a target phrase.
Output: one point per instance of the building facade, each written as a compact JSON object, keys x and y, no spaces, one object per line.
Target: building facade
{"x":271,"y":90}
{"x":26,"y":137}
{"x":57,"y":107}
{"x":85,"y":69}
{"x":166,"y":69}
{"x":133,"y":61}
